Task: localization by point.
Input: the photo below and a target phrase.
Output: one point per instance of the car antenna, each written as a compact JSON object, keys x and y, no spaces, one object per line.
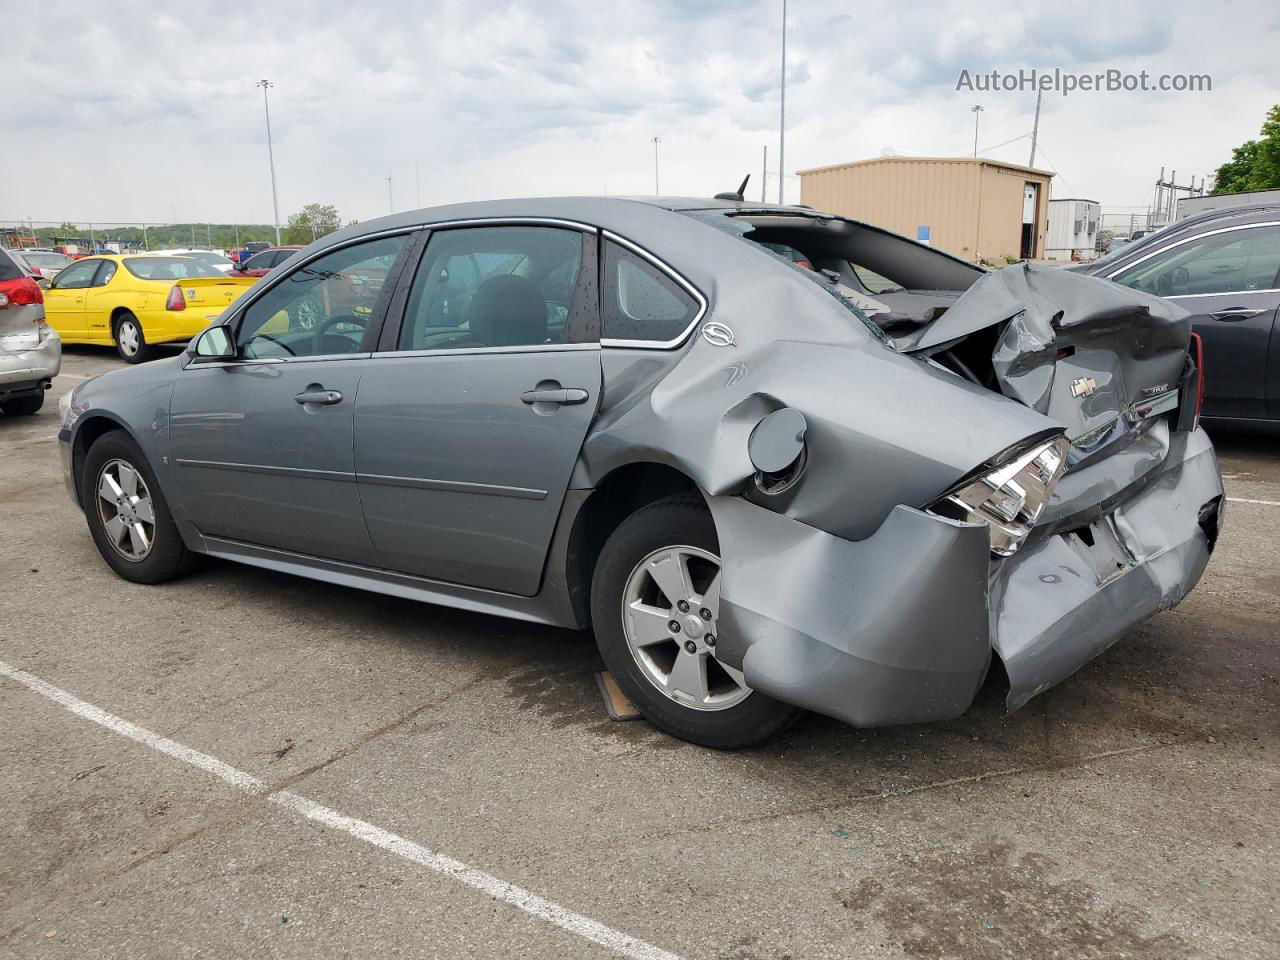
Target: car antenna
{"x":740,"y":194}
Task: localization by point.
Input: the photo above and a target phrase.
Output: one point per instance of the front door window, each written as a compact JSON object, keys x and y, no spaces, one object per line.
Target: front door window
{"x":322,"y":307}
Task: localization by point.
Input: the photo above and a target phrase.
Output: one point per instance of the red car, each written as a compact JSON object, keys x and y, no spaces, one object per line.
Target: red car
{"x":260,"y":264}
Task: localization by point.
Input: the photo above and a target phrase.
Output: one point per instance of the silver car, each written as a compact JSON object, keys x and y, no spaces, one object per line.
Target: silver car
{"x":30,"y":350}
{"x":774,"y":458}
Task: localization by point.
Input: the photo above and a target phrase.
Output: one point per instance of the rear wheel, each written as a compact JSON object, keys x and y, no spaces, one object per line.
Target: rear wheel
{"x":655,"y":604}
{"x":23,"y":406}
{"x":130,"y":342}
{"x":127,"y":514}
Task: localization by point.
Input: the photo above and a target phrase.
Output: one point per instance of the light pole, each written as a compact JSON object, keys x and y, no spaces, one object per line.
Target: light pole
{"x":391,"y":203}
{"x":271,"y":156}
{"x":977,"y":109}
{"x":656,"y":141}
{"x":782,"y":111}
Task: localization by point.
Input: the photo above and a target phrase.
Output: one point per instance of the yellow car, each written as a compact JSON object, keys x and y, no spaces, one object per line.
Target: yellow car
{"x":135,"y":301}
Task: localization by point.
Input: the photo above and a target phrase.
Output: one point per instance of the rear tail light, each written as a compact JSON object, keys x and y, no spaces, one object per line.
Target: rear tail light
{"x":1011,"y":498}
{"x":176,"y":300}
{"x":22,"y":292}
{"x":1197,"y":345}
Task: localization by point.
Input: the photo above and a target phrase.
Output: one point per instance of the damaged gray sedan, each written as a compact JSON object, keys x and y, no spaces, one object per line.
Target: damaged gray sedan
{"x":775,"y":459}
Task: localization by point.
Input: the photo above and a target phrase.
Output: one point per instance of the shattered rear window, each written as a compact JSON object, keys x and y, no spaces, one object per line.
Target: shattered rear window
{"x":795,"y":260}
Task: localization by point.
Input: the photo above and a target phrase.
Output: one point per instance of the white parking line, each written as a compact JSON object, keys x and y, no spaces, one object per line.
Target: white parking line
{"x":1264,"y":503}
{"x":509,"y":893}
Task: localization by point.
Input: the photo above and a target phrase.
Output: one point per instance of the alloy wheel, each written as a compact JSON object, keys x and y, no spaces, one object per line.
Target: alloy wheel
{"x":126,"y":510}
{"x":670,"y":614}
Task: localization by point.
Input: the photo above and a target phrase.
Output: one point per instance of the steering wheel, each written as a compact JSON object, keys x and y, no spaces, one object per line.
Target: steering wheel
{"x":322,"y":329}
{"x":279,"y":343}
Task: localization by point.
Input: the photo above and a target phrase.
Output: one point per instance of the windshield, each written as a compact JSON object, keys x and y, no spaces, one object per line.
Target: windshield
{"x":47,"y":259}
{"x":168,"y":268}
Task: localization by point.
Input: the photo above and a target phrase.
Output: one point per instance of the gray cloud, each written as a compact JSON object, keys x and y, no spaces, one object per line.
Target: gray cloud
{"x":482,"y":97}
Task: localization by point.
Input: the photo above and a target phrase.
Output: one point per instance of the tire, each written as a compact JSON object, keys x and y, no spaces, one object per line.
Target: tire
{"x":166,"y":556}
{"x":131,"y":343}
{"x":675,"y":534}
{"x":23,"y":406}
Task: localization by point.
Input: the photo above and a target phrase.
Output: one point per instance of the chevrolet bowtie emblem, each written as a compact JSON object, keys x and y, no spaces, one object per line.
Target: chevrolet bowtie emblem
{"x":1083,"y":386}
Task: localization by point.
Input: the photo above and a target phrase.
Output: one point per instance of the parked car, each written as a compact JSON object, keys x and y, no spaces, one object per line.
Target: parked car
{"x":30,"y":352}
{"x":637,"y":417}
{"x":45,"y":265}
{"x":241,"y":254}
{"x":260,"y":264}
{"x":211,"y":257}
{"x":1223,"y":266}
{"x":133,"y":302}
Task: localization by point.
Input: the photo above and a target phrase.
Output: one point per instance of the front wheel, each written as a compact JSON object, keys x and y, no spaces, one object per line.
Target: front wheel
{"x":128,"y":516}
{"x":131,"y":344}
{"x":655,"y":604}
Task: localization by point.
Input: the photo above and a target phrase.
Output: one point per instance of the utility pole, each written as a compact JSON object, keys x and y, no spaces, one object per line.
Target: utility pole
{"x":208,"y":235}
{"x":145,"y":243}
{"x":764,"y":172}
{"x":1035,"y":129}
{"x":782,"y":111}
{"x":977,"y":109}
{"x":193,"y":236}
{"x":390,"y":198}
{"x":656,"y":141}
{"x":271,"y":156}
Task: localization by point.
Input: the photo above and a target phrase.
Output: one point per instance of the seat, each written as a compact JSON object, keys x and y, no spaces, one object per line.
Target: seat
{"x":508,"y":311}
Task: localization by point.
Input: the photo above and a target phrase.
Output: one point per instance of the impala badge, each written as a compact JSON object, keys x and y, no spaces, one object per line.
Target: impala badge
{"x":1083,"y":386}
{"x":717,"y":334}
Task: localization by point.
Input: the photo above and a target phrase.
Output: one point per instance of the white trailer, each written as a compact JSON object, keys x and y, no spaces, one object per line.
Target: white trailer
{"x":1073,"y":229}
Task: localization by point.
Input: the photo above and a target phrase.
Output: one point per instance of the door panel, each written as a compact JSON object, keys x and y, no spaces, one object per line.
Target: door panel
{"x":254,"y":464}
{"x":1237,"y":331}
{"x":101,"y":298}
{"x":64,"y":301}
{"x":460,"y":478}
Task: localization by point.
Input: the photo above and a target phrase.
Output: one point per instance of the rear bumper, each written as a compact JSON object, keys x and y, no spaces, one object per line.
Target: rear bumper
{"x":23,"y":370}
{"x":1060,"y":603}
{"x":174,"y":326}
{"x":900,"y":627}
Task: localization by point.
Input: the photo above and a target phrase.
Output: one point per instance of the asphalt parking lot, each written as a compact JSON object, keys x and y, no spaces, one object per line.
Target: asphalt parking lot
{"x":1130,"y":812}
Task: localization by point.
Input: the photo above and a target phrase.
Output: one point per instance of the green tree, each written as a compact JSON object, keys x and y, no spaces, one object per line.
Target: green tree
{"x":1255,"y":164}
{"x":311,"y":222}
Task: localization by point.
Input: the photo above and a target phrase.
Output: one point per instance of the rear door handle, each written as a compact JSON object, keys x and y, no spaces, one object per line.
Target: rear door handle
{"x":1232,"y":314}
{"x":319,"y":396}
{"x":563,"y":395}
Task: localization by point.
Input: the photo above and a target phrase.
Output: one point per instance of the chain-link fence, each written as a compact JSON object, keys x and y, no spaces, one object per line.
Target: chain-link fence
{"x":83,"y":237}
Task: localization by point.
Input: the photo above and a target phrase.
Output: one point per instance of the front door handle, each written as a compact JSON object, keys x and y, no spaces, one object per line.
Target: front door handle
{"x":562,"y":395}
{"x":319,"y":396}
{"x":1232,"y":314}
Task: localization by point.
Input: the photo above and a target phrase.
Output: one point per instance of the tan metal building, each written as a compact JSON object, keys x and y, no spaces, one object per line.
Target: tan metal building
{"x":971,"y":207}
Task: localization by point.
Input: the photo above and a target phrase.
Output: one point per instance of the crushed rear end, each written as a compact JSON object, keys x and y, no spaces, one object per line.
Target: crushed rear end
{"x":1102,"y":514}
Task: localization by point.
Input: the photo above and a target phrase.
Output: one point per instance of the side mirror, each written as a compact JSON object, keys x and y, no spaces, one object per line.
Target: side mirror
{"x":216,"y":343}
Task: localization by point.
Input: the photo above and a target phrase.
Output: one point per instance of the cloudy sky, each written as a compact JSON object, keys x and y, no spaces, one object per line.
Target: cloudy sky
{"x":143,"y":110}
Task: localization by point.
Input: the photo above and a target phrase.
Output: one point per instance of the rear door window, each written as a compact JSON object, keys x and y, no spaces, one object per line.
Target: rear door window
{"x":9,"y":269}
{"x":642,"y":303}
{"x":481,"y":287}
